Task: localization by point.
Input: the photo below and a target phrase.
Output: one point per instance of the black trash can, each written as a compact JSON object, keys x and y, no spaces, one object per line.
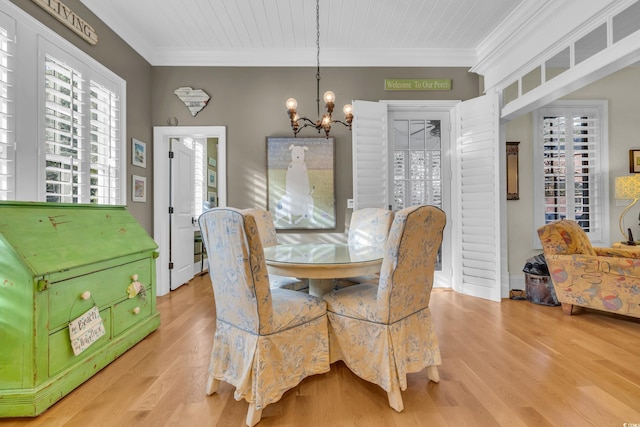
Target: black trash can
{"x":538,"y":286}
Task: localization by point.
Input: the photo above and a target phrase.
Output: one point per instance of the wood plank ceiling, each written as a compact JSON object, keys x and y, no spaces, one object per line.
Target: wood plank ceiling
{"x":283,"y":32}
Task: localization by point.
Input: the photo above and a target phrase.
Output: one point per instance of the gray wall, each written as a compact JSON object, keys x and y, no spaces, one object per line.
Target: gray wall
{"x":249,"y":101}
{"x":115,"y":54}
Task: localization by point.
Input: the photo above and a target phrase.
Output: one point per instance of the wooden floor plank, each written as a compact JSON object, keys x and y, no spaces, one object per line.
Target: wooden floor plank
{"x":503,"y":364}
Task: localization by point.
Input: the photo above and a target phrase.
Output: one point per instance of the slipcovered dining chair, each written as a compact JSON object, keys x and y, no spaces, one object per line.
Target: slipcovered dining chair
{"x":268,"y":236}
{"x":368,"y":227}
{"x":266,"y":340}
{"x":384,"y":332}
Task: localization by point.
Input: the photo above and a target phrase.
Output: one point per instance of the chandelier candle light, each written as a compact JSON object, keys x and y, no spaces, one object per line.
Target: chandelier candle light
{"x":324,"y":122}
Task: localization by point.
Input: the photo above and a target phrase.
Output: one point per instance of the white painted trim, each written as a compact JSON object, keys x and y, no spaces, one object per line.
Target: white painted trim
{"x":161,"y":136}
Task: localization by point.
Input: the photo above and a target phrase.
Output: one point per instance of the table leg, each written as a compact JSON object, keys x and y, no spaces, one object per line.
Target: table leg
{"x":319,"y":287}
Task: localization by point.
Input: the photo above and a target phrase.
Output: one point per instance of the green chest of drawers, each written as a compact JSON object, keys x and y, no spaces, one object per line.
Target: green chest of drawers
{"x":57,"y":261}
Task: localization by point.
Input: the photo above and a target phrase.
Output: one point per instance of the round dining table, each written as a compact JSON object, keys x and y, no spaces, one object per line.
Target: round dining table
{"x":323,"y":262}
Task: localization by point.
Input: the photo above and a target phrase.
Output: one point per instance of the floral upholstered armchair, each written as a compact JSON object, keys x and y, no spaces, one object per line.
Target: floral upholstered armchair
{"x":600,"y":278}
{"x":266,"y":340}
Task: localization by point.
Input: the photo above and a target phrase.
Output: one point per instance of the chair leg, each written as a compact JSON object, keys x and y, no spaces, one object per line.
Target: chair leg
{"x":432,"y":373}
{"x":212,"y":385}
{"x":253,"y":415}
{"x":567,"y":308}
{"x":395,"y":399}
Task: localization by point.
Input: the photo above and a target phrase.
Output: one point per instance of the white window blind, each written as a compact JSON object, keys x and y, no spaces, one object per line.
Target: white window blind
{"x":197,"y":145}
{"x":572,"y":155}
{"x":7,"y":109}
{"x":81,"y":138}
{"x":63,"y":133}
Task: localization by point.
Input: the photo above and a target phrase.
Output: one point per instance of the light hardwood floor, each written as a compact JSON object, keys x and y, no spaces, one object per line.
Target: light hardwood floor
{"x":504,"y":364}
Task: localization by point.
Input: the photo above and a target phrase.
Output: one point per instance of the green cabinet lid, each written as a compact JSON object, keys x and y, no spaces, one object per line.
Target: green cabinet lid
{"x":53,"y":237}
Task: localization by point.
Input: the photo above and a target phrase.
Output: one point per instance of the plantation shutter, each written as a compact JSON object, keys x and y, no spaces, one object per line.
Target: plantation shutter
{"x":370,"y":155}
{"x":477,"y":230}
{"x":7,"y":109}
{"x":105,"y":155}
{"x":63,"y":131}
{"x":571,"y":140}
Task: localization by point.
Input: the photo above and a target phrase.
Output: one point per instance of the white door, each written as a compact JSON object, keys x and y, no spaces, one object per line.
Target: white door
{"x":420,"y":170}
{"x":174,"y":233}
{"x":182,"y":221}
{"x":479,"y":233}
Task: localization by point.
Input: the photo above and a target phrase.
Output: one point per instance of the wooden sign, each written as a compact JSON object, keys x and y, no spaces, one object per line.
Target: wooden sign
{"x":417,"y":84}
{"x":64,"y":14}
{"x":85,"y":330}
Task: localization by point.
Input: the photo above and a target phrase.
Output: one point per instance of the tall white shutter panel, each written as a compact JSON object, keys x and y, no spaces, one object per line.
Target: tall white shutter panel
{"x":572,"y":152}
{"x":370,"y":156}
{"x":105,"y":149}
{"x":7,"y":109}
{"x":477,"y":223}
{"x":63,"y":130}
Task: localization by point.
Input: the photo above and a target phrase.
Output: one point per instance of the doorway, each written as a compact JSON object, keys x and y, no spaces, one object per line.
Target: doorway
{"x":177,"y":161}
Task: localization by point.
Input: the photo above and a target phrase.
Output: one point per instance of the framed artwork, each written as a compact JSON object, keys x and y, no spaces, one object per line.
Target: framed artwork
{"x":301,"y":182}
{"x":212,"y":180}
{"x":634,"y":161}
{"x":138,"y":188}
{"x":212,"y":198}
{"x":138,"y":153}
{"x":212,"y":162}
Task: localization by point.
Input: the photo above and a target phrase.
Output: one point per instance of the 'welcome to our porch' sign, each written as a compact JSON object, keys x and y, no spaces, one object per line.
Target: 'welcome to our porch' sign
{"x":64,"y":14}
{"x":417,"y":84}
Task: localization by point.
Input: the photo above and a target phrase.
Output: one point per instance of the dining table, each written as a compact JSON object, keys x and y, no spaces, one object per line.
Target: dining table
{"x":323,"y":262}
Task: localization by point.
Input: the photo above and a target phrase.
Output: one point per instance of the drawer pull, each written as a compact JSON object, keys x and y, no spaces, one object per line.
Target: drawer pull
{"x":136,"y":310}
{"x":85,"y":295}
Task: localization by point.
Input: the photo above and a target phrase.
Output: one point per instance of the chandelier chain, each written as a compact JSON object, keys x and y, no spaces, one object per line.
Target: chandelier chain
{"x":318,"y":55}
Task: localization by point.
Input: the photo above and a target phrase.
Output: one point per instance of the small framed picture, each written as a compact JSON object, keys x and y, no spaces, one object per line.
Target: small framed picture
{"x":138,"y":153}
{"x":212,"y":181}
{"x":212,"y":198}
{"x":138,"y":188}
{"x":634,"y":161}
{"x":212,"y":162}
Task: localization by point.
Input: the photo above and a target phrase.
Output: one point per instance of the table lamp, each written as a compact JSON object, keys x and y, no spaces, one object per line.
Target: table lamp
{"x":627,"y":188}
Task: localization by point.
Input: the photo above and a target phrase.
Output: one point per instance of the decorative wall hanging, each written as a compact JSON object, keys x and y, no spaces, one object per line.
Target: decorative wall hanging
{"x":194,"y":99}
{"x":300,"y":182}
{"x":138,"y":153}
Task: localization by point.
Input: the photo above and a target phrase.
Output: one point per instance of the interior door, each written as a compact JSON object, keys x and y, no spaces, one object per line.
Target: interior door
{"x":164,"y":183}
{"x":182,"y":222}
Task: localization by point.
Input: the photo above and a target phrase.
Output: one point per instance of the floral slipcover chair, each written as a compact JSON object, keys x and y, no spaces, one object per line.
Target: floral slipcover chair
{"x":601,"y":278}
{"x":368,"y":227}
{"x":268,"y":236}
{"x":383,"y":332}
{"x":266,"y":340}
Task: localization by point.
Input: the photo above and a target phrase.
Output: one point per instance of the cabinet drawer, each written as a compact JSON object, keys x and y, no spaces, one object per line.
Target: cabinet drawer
{"x":60,"y":351}
{"x":129,"y":312}
{"x":105,"y":287}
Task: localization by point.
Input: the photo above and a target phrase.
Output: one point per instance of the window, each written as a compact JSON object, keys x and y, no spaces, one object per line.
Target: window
{"x":571,"y":150}
{"x":7,"y":113}
{"x":69,"y":119}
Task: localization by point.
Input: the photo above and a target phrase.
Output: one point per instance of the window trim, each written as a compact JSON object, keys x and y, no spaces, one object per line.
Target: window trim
{"x":33,"y":41}
{"x":603,"y":167}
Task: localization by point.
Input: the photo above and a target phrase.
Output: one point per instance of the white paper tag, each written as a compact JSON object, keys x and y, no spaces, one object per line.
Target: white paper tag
{"x":85,"y":330}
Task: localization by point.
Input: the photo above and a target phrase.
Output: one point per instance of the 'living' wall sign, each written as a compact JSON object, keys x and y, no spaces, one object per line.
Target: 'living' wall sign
{"x":64,"y":14}
{"x":417,"y":84}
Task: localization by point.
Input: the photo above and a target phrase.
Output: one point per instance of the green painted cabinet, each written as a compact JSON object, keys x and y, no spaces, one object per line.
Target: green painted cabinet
{"x":57,"y":261}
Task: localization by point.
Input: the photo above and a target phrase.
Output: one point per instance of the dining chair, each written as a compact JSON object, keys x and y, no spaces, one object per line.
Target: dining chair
{"x":268,"y":236}
{"x":384,"y":332}
{"x":266,"y":340}
{"x":368,"y":227}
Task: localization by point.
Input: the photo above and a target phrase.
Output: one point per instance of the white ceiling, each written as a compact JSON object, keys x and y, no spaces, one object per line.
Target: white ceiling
{"x":283,"y":32}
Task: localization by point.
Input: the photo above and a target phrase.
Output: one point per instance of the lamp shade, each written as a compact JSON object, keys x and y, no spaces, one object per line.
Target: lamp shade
{"x":628,"y":187}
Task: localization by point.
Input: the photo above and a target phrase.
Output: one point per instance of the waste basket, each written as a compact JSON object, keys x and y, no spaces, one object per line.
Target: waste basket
{"x":538,"y":286}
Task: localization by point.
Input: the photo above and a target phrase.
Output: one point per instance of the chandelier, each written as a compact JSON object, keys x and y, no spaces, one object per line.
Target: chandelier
{"x":324,"y":122}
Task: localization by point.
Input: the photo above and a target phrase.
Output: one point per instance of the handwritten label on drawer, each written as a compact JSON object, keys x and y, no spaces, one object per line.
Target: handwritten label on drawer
{"x":85,"y":330}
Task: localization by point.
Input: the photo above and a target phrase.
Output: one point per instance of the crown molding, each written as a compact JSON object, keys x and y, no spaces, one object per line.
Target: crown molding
{"x":307,"y":58}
